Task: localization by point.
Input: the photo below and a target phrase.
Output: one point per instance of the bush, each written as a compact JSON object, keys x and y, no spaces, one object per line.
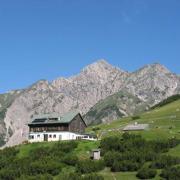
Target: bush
{"x":110,"y":157}
{"x":69,"y":176}
{"x":129,"y":152}
{"x":124,"y":166}
{"x":70,"y":159}
{"x":7,"y":174}
{"x":39,"y":153}
{"x":173,"y":142}
{"x":150,"y":156}
{"x":135,"y":117}
{"x":7,"y":155}
{"x":64,"y":146}
{"x":165,"y":161}
{"x":92,"y":177}
{"x":167,"y":101}
{"x":171,"y":173}
{"x":111,"y":144}
{"x":40,"y":167}
{"x":77,"y":176}
{"x":96,"y":128}
{"x":146,"y":173}
{"x":89,"y":166}
{"x":39,"y":177}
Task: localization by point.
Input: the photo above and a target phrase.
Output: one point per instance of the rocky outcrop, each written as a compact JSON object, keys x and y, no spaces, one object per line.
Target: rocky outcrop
{"x":96,"y":82}
{"x":152,"y":83}
{"x":5,"y":102}
{"x":118,"y":105}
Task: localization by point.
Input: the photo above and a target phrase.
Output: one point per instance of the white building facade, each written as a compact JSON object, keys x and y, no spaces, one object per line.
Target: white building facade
{"x":53,"y":127}
{"x":53,"y":136}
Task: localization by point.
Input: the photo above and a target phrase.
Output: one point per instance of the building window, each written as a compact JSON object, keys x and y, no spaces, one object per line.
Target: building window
{"x":38,"y":136}
{"x":50,"y":136}
{"x":54,"y":136}
{"x":78,"y":137}
{"x":31,"y":137}
{"x":60,"y":137}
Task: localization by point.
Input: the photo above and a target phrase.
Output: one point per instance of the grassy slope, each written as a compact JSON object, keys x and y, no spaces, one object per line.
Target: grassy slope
{"x":108,"y":175}
{"x":82,"y":151}
{"x":164,"y":123}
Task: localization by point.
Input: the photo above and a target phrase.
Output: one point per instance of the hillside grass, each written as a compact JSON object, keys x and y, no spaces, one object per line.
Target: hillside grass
{"x":167,"y":101}
{"x":82,"y":151}
{"x":108,"y":175}
{"x":164,"y":122}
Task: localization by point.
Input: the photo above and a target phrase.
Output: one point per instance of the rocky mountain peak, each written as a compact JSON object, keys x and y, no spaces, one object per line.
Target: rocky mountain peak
{"x":97,"y":73}
{"x":100,"y":66}
{"x":101,"y":72}
{"x":95,"y":82}
{"x":152,"y":83}
{"x":41,"y":85}
{"x":154,"y":68}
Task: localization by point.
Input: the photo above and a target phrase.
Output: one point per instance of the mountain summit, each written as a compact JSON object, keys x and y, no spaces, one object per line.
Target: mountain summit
{"x":99,"y":66}
{"x":81,"y":92}
{"x":155,"y":67}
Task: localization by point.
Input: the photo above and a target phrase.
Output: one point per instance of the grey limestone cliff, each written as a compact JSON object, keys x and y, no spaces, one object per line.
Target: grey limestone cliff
{"x":94,"y":83}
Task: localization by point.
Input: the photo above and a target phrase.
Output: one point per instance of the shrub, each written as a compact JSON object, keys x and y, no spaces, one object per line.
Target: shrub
{"x":173,"y":142}
{"x":64,"y":146}
{"x":7,"y":155}
{"x":135,"y":117}
{"x":150,"y":156}
{"x":111,"y":143}
{"x":146,"y":173}
{"x":40,"y":167}
{"x":92,"y":177}
{"x":167,"y":101}
{"x":165,"y":161}
{"x":69,"y":176}
{"x":77,"y":176}
{"x":39,"y":153}
{"x":110,"y":157}
{"x":7,"y":174}
{"x":124,"y":166}
{"x":39,"y":177}
{"x":89,"y":166}
{"x":96,"y":128}
{"x":128,"y":137}
{"x":70,"y":159}
{"x":171,"y":173}
{"x":129,"y":152}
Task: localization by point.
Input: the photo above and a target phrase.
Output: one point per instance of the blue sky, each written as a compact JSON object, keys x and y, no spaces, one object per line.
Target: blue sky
{"x":46,"y":39}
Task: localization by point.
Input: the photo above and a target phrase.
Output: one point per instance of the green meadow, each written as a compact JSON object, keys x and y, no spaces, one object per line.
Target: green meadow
{"x":164,"y":123}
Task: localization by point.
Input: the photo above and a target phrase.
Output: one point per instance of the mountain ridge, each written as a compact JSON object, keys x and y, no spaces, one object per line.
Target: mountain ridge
{"x":96,"y":82}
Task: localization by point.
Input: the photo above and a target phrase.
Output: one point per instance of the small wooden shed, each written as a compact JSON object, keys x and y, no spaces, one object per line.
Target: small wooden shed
{"x":95,"y":154}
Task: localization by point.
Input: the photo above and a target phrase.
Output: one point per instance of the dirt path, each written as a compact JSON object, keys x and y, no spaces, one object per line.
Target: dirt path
{"x":114,"y":178}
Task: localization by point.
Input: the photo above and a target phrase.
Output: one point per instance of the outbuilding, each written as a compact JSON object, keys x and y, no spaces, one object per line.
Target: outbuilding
{"x":136,"y":127}
{"x":95,"y":154}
